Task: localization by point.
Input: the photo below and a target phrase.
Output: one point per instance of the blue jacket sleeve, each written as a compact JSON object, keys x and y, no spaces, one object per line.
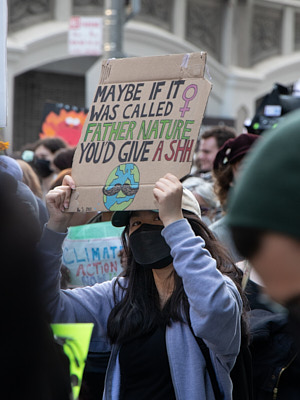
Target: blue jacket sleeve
{"x":88,"y":304}
{"x":215,"y":303}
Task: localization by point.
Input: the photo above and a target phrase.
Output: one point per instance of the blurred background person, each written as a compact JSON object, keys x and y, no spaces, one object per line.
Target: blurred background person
{"x":35,"y":367}
{"x":11,"y":167}
{"x":35,"y":206}
{"x":31,"y":179}
{"x":205,"y":195}
{"x":272,"y":347}
{"x":210,"y":143}
{"x":263,"y":215}
{"x":44,"y":152}
{"x":63,"y":159}
{"x":227,"y":165}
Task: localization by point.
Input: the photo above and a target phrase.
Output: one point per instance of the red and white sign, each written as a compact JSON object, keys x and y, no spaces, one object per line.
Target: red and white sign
{"x":85,"y":36}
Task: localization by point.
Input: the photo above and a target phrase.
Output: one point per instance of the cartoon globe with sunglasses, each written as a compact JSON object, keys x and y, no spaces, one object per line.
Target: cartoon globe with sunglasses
{"x":121,"y":187}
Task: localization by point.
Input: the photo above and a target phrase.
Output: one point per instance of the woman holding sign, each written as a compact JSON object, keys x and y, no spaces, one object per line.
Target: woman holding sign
{"x":179,"y":286}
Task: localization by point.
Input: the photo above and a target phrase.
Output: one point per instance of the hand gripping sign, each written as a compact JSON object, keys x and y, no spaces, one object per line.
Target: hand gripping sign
{"x":144,"y":122}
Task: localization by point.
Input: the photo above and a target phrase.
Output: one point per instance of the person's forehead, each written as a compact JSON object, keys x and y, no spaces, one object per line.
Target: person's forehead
{"x":208,"y":143}
{"x":42,"y":150}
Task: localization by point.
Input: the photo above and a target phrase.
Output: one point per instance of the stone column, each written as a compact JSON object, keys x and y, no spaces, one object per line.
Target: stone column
{"x":288,"y":31}
{"x":228,"y":42}
{"x":63,"y":10}
{"x":179,"y":18}
{"x":243,"y":33}
{"x":113,"y":26}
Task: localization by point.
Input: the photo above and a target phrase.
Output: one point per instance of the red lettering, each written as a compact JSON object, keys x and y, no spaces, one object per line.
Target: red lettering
{"x":169,"y":158}
{"x":96,"y":265}
{"x":87,"y":270}
{"x":106,"y":267}
{"x":188,"y":150}
{"x":179,"y":149}
{"x":80,"y":269}
{"x":113,"y":266}
{"x":158,"y":150}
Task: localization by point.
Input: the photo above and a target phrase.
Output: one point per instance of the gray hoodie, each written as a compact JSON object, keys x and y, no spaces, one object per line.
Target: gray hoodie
{"x":215,"y":312}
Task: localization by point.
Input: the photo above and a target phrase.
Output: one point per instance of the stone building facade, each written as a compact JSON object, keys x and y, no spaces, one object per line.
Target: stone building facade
{"x":251,"y":44}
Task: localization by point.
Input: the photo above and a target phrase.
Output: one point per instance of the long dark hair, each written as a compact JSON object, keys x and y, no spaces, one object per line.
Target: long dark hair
{"x":223,"y":181}
{"x":139,"y":311}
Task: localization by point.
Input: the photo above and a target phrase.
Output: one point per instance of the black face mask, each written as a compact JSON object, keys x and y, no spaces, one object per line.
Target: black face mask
{"x":149,"y":248}
{"x":42,"y":167}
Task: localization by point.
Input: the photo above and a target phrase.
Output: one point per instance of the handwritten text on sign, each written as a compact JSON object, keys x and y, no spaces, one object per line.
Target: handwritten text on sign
{"x":92,"y":261}
{"x":120,"y":114}
{"x":85,"y":36}
{"x":144,"y":121}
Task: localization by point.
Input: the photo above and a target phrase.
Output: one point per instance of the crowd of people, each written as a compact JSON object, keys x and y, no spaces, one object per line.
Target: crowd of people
{"x":212,"y":272}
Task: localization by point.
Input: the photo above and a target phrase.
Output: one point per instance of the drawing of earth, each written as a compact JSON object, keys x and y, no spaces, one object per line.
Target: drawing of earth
{"x":121,"y":187}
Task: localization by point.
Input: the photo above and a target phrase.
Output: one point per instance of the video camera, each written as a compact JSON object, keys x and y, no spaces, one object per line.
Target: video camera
{"x":273,"y":107}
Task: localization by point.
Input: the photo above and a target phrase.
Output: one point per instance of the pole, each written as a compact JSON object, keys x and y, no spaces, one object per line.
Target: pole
{"x":114,"y":19}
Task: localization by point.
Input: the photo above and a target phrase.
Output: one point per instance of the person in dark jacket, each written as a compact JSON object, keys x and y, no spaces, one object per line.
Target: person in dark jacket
{"x":34,"y":367}
{"x":275,"y":361}
{"x":265,"y":222}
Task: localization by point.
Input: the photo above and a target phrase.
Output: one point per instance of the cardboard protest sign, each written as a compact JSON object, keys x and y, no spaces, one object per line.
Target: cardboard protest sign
{"x":75,"y":339}
{"x":144,"y":122}
{"x":90,"y":252}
